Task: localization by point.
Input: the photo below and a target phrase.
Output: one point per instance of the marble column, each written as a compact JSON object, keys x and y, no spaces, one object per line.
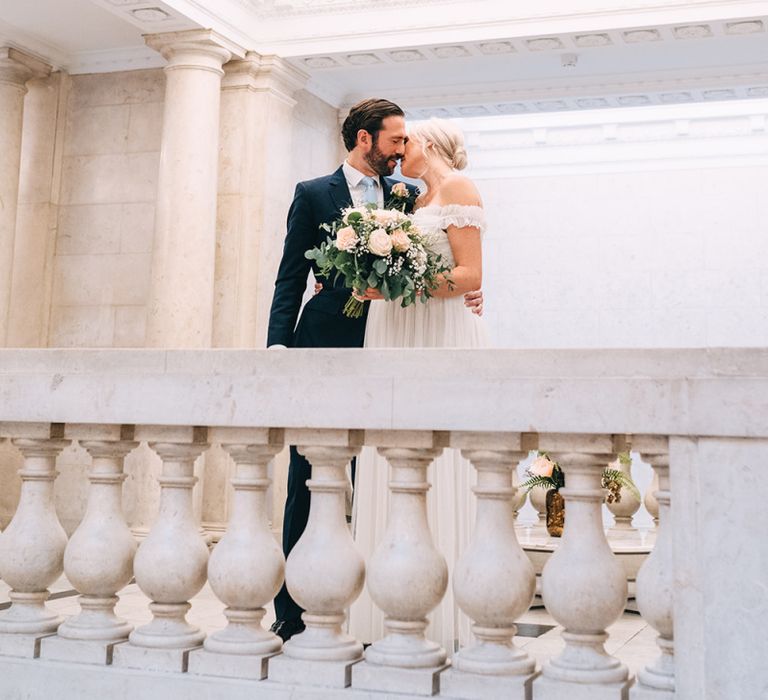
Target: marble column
{"x":256,"y":184}
{"x":181,"y":298}
{"x":16,"y":68}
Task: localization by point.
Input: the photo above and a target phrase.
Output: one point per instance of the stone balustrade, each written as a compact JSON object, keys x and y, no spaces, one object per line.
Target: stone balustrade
{"x":698,"y":417}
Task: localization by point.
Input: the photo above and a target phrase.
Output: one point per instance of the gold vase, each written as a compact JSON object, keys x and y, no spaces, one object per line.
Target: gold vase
{"x":555,"y":513}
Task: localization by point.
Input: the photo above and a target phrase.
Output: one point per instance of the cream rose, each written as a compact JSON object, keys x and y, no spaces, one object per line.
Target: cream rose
{"x":400,"y":240}
{"x":346,"y":239}
{"x":542,"y":466}
{"x":399,"y":190}
{"x":379,"y":243}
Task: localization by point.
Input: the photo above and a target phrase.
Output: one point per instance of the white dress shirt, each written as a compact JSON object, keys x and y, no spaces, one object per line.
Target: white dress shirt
{"x":357,"y":188}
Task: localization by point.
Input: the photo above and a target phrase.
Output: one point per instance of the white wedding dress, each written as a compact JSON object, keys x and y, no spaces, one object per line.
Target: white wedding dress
{"x":440,"y":323}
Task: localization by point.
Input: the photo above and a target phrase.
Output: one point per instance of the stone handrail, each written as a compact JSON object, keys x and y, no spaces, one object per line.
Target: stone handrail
{"x":716,"y":392}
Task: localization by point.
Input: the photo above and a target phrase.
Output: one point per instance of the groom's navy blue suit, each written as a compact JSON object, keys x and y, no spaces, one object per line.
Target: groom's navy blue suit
{"x":322,"y":323}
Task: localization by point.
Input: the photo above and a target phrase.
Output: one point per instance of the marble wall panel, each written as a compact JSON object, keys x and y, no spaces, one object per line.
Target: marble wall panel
{"x":668,"y":258}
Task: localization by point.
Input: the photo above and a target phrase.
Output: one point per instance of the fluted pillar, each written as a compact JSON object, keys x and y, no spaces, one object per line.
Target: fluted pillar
{"x":181,"y":299}
{"x":655,"y":584}
{"x":494,"y":581}
{"x":32,"y":550}
{"x":246,"y":569}
{"x":407,"y":577}
{"x":324,"y":574}
{"x":584,"y":586}
{"x":170,"y":568}
{"x":16,"y":68}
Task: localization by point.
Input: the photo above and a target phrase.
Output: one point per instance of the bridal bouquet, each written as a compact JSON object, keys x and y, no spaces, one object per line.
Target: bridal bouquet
{"x":381,"y":249}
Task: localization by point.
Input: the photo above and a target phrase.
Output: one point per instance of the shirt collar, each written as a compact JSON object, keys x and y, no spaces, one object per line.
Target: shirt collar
{"x":354,"y":176}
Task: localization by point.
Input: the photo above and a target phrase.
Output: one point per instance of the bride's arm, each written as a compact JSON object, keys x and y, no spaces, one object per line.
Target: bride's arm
{"x":467,"y":275}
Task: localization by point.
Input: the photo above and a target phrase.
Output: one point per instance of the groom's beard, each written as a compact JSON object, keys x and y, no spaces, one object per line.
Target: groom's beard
{"x":381,"y":164}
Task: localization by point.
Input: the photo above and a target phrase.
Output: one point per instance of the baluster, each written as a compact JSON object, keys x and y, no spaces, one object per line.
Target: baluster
{"x":32,"y":550}
{"x":407,"y":576}
{"x":245,"y":570}
{"x":324,"y":572}
{"x":584,"y":586}
{"x":170,"y":567}
{"x":538,"y":498}
{"x":518,"y":500}
{"x":650,"y":501}
{"x":494,"y":581}
{"x":624,"y":510}
{"x":655,"y":583}
{"x":98,"y":562}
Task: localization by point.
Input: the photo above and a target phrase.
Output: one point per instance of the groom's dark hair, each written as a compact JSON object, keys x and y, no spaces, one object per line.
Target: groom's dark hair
{"x":367,"y":115}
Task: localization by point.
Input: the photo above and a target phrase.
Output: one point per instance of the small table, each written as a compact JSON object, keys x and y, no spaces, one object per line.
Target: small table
{"x":631,"y":547}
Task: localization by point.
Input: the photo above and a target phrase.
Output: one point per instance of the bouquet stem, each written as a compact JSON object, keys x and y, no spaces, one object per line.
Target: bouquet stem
{"x":353,"y":308}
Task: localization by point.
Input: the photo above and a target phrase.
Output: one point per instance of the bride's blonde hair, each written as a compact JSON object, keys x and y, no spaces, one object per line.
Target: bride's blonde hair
{"x":446,"y":138}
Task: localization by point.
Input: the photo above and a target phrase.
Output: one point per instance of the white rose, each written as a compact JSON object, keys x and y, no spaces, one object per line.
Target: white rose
{"x":379,"y":243}
{"x":384,"y":216}
{"x":359,"y":210}
{"x":400,"y":240}
{"x":346,"y":239}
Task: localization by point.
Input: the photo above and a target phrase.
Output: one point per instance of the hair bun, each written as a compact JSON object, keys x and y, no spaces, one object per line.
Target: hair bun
{"x":459,"y":159}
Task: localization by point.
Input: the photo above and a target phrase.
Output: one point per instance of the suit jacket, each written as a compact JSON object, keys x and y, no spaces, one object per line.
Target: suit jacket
{"x":322,"y":323}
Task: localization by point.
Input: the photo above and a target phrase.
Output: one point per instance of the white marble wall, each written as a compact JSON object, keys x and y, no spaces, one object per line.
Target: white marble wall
{"x":316,"y":139}
{"x":636,"y":259}
{"x":105,"y":221}
{"x":637,"y":228}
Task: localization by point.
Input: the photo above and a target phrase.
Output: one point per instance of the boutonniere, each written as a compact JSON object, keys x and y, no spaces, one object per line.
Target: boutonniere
{"x":399,"y":197}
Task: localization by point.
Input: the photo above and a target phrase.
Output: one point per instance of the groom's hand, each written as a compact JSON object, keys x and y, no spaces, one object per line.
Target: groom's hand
{"x":474,"y":302}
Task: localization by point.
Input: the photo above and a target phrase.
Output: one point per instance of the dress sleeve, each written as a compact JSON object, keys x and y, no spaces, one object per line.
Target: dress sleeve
{"x":463,"y":216}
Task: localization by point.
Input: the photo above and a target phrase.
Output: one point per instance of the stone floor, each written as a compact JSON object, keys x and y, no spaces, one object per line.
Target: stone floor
{"x":630,"y":638}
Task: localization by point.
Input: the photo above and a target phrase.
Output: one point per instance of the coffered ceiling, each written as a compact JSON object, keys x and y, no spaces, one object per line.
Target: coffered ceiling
{"x":443,"y":57}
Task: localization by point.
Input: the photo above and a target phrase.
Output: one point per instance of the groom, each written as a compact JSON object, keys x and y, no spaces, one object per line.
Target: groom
{"x":374,"y":134}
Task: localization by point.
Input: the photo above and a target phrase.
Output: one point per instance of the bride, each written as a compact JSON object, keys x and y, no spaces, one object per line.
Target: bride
{"x":450,"y":215}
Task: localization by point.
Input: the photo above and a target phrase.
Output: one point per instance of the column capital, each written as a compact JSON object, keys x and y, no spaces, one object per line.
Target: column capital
{"x":17,"y":67}
{"x":195,"y":48}
{"x":269,"y":74}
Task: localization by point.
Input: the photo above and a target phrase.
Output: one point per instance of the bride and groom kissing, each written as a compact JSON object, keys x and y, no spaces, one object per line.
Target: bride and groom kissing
{"x":450,"y":215}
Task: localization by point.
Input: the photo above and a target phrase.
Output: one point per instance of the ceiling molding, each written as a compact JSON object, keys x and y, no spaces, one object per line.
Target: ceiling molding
{"x":289,"y":8}
{"x":596,"y":93}
{"x":52,"y":54}
{"x":113,"y":60}
{"x":149,"y":17}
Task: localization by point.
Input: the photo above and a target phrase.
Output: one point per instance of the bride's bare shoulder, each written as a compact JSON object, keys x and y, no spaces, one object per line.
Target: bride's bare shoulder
{"x":459,"y":189}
